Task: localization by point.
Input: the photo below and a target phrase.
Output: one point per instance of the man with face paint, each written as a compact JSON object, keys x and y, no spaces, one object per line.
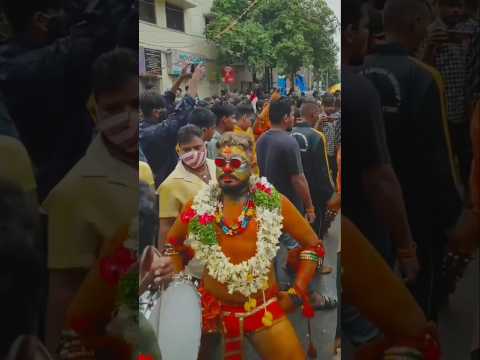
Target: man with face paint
{"x":100,"y":194}
{"x":261,"y":314}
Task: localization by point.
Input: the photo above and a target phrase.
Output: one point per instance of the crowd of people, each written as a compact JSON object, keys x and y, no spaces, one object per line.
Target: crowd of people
{"x":105,"y":193}
{"x":410,"y":83}
{"x":291,"y":141}
{"x":68,"y":137}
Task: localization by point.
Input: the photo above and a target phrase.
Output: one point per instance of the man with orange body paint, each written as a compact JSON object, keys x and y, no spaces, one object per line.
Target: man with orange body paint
{"x":240,"y":315}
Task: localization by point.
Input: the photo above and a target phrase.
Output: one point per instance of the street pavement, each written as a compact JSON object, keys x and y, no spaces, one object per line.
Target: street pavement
{"x":459,"y":319}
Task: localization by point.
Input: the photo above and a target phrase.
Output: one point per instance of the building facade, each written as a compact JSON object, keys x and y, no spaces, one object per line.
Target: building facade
{"x":172,"y":34}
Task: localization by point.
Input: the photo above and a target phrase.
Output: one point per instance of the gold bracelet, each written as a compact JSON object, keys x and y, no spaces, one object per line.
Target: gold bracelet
{"x":310,"y":210}
{"x":169,"y":250}
{"x":309,"y":258}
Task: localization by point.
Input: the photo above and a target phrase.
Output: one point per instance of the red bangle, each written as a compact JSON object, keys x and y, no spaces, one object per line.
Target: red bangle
{"x":318,"y":249}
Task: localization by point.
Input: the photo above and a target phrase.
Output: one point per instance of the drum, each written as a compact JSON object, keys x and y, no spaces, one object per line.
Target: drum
{"x":177,"y":318}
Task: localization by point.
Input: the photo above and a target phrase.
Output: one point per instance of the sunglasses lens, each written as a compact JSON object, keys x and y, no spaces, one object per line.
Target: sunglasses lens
{"x":220,"y":162}
{"x":235,"y":163}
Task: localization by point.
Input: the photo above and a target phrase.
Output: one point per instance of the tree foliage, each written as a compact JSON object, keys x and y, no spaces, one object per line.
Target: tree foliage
{"x":286,"y":34}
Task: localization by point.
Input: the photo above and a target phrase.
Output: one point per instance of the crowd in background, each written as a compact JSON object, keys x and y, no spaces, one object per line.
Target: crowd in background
{"x":296,"y":142}
{"x":410,"y":84}
{"x":65,"y":67}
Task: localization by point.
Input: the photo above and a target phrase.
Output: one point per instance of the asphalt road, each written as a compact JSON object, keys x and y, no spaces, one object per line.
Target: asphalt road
{"x":459,"y":318}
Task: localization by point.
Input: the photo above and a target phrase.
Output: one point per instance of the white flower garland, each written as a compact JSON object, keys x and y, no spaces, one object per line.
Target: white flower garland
{"x":249,"y":276}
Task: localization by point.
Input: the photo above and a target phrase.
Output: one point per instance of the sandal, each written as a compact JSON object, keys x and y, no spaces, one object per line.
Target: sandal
{"x":325,"y":270}
{"x":323,"y":302}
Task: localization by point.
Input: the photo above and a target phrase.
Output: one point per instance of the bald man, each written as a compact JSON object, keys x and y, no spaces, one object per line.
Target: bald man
{"x":412,"y":99}
{"x":313,"y":149}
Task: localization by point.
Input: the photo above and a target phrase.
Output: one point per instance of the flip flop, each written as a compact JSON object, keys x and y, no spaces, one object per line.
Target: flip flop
{"x":325,"y":270}
{"x":326,"y":302}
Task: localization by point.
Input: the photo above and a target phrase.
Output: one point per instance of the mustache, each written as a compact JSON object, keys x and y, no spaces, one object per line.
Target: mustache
{"x":228,"y":176}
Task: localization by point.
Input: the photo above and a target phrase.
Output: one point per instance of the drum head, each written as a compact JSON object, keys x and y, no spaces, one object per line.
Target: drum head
{"x":180,"y":322}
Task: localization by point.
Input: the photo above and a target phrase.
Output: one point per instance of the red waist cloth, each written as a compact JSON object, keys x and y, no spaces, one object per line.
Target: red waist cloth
{"x":213,"y":311}
{"x":251,"y":323}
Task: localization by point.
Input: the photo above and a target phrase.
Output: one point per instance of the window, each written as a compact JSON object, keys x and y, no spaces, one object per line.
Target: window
{"x":175,"y":19}
{"x":208,"y":20}
{"x":147,"y":11}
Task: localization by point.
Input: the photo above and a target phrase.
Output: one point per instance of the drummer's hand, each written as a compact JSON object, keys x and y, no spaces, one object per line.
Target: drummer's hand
{"x":72,"y":348}
{"x":286,"y":302}
{"x":162,"y":270}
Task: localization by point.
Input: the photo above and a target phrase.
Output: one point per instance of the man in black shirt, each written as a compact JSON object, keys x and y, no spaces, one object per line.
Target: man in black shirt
{"x":45,"y":78}
{"x":158,"y":141}
{"x":278,"y":156}
{"x":371,"y":194}
{"x":153,"y":109}
{"x":418,"y":139}
{"x":313,"y":150}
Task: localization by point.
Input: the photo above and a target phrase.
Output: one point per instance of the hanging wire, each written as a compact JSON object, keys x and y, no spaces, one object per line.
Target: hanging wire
{"x":235,"y":22}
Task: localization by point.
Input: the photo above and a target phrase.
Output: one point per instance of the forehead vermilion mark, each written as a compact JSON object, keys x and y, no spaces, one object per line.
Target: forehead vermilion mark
{"x":229,"y":151}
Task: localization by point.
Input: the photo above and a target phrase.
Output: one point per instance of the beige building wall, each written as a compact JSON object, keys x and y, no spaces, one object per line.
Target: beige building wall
{"x":189,"y":44}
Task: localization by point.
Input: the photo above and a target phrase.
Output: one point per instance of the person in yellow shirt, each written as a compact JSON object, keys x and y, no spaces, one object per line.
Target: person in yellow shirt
{"x":16,"y":167}
{"x":100,"y":193}
{"x":192,"y":173}
{"x":145,"y":173}
{"x":245,"y":119}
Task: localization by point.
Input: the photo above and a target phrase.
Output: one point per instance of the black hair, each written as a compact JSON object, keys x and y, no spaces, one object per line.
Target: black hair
{"x":187,"y":133}
{"x":19,"y":14}
{"x":279,"y":109}
{"x":307,"y":105}
{"x":149,"y":101}
{"x":351,"y":13}
{"x":202,"y":117}
{"x":114,"y":69}
{"x":328,"y":100}
{"x":222,"y":110}
{"x":244,"y":109}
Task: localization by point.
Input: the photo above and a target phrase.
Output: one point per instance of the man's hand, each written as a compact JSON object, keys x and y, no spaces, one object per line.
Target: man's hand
{"x":72,"y":348}
{"x":310,"y":216}
{"x":335,"y":202}
{"x":197,"y":76}
{"x":186,"y":74}
{"x":410,"y":268}
{"x":154,"y":269}
{"x":286,"y":302}
{"x":465,"y":237}
{"x":162,"y":270}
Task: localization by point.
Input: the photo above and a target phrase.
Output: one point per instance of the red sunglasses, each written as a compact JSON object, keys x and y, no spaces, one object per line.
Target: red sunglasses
{"x":234,"y":163}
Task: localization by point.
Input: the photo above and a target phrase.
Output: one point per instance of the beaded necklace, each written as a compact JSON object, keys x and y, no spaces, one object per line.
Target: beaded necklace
{"x":242,"y":222}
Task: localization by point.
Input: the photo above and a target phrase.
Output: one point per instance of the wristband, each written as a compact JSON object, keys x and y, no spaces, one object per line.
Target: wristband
{"x":310,"y":210}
